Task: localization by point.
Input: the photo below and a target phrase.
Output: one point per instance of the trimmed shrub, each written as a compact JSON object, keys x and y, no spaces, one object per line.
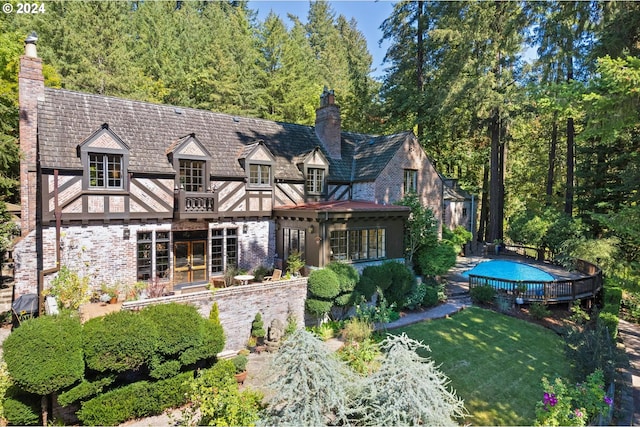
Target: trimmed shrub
{"x":118,"y":342}
{"x":44,"y":355}
{"x":22,"y":408}
{"x":324,"y":283}
{"x":367,"y":285}
{"x":612,"y":295}
{"x":84,"y":390}
{"x":416,"y":297}
{"x":402,"y":281}
{"x":483,"y":294}
{"x":348,"y":276}
{"x":610,"y":320}
{"x":317,"y":307}
{"x":257,"y":327}
{"x":141,"y":399}
{"x":431,"y":296}
{"x":436,"y":260}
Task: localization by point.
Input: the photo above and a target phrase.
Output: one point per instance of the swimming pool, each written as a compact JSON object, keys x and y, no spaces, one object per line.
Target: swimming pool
{"x":509,"y":270}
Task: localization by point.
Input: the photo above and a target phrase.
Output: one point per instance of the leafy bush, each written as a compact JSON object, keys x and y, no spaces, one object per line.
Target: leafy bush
{"x":431,"y":296}
{"x":612,"y":295}
{"x":382,"y":313}
{"x":240,"y":363}
{"x":261,"y":271}
{"x":610,"y":320}
{"x":22,"y":408}
{"x":363,"y":356}
{"x":70,"y":289}
{"x":538,"y":310}
{"x":5,"y":383}
{"x":356,"y":330}
{"x":591,"y":348}
{"x":483,"y":294}
{"x":317,"y":307}
{"x":137,"y":400}
{"x":436,"y":259}
{"x":392,"y":279}
{"x":44,"y":355}
{"x":348,"y":278}
{"x":217,"y":400}
{"x":119,"y":341}
{"x":416,"y":297}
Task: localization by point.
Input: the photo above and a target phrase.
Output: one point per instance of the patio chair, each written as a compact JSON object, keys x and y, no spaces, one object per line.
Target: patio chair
{"x":277,"y":275}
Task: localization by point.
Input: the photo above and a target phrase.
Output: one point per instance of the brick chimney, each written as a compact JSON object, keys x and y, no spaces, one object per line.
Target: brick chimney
{"x":30,"y":91}
{"x":328,"y":124}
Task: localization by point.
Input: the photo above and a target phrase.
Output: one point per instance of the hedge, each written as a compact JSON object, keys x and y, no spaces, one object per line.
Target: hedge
{"x":119,"y":341}
{"x":137,"y":400}
{"x":323,"y":283}
{"x":22,"y":408}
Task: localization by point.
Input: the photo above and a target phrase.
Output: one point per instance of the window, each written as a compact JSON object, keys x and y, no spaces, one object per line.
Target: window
{"x":224,"y":249}
{"x":315,"y":181}
{"x":294,"y":241}
{"x":192,"y":175}
{"x":358,"y":245}
{"x":410,"y":181}
{"x":259,"y":174}
{"x":152,"y":258}
{"x":105,"y":170}
{"x":464,"y":212}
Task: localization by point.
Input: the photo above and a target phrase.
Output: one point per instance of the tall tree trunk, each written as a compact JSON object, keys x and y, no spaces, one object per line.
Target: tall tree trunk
{"x":495,"y":185}
{"x":44,"y":404}
{"x":484,"y":206}
{"x":568,"y":201}
{"x":553,"y":146}
{"x":420,"y":69}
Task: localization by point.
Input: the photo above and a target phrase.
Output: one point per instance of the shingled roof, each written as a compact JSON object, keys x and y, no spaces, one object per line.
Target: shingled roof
{"x":67,"y":118}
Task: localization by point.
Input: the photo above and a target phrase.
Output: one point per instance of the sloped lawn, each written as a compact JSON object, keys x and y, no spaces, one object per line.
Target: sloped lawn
{"x":495,"y":362}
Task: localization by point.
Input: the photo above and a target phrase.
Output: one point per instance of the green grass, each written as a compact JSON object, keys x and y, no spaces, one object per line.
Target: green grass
{"x":495,"y":362}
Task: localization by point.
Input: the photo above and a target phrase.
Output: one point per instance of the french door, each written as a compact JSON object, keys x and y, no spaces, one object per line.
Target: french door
{"x":190,"y":261}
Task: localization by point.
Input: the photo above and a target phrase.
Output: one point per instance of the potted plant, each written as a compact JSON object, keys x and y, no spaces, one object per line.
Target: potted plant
{"x":294,"y":264}
{"x":519,"y":291}
{"x":109,"y":293}
{"x":240,"y":363}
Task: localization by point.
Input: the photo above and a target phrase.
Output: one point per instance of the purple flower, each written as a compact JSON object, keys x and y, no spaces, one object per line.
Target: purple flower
{"x":550,"y":399}
{"x":578,"y":413}
{"x":608,"y":400}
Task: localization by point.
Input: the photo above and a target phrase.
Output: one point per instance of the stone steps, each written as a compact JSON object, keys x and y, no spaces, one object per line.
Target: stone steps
{"x":6,"y":296}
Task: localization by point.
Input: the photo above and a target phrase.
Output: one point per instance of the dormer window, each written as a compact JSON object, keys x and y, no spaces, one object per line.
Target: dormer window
{"x":191,"y":161}
{"x":315,"y":181}
{"x":258,"y":161}
{"x":192,"y":175}
{"x":105,"y":170}
{"x":259,"y":174}
{"x":105,"y":160}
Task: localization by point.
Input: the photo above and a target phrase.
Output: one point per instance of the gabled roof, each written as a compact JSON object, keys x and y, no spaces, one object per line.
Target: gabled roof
{"x":67,"y":118}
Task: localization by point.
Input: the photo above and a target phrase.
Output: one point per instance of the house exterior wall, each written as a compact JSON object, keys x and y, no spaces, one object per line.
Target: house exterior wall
{"x":457,"y":213}
{"x":389,"y":187}
{"x":364,"y":191}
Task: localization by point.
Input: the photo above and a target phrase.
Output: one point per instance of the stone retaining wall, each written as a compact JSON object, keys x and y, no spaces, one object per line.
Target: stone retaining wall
{"x":238,"y":306}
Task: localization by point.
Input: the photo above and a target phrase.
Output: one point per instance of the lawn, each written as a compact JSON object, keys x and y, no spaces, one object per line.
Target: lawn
{"x":495,"y":362}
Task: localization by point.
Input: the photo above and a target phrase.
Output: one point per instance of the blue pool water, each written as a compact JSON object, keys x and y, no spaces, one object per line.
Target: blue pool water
{"x":509,"y":270}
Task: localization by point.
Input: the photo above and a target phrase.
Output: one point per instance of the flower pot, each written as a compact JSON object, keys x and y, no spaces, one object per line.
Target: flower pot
{"x":241,"y":377}
{"x":113,"y":300}
{"x":519,"y":301}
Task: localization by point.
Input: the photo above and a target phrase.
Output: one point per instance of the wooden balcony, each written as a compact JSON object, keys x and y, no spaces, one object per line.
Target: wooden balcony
{"x":192,"y":205}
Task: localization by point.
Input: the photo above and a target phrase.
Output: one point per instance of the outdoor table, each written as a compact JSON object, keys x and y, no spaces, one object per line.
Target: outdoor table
{"x":244,"y":278}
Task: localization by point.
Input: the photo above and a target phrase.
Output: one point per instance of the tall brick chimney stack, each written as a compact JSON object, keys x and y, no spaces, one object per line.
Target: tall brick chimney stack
{"x":328,"y":127}
{"x":30,"y":91}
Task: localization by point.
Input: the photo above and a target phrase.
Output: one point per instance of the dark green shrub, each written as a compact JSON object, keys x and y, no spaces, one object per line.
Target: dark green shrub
{"x":402,"y":281}
{"x":118,"y":342}
{"x":591,"y":348}
{"x":137,"y":400}
{"x":184,"y":335}
{"x":44,"y":355}
{"x":483,"y":294}
{"x":22,"y":408}
{"x":436,"y":259}
{"x":431,"y":297}
{"x":161,"y":369}
{"x":348,"y":276}
{"x":538,"y":310}
{"x":317,"y":307}
{"x":259,"y":273}
{"x":240,"y":363}
{"x":366,"y":286}
{"x":257,"y":327}
{"x":323,"y":284}
{"x":84,"y":390}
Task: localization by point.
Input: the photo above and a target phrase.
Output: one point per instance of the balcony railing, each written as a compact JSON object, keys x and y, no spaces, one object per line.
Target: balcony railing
{"x":192,"y":205}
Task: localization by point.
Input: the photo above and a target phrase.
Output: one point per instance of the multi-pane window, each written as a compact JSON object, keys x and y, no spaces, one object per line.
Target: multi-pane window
{"x":315,"y":181}
{"x":224,"y":249}
{"x":152,"y":255}
{"x":294,"y":241}
{"x":192,"y":175}
{"x":358,"y":245}
{"x":105,"y":170}
{"x":259,"y":174}
{"x":410,"y":181}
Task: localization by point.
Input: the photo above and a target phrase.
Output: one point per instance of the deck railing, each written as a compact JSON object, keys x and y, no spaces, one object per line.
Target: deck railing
{"x":548,"y":292}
